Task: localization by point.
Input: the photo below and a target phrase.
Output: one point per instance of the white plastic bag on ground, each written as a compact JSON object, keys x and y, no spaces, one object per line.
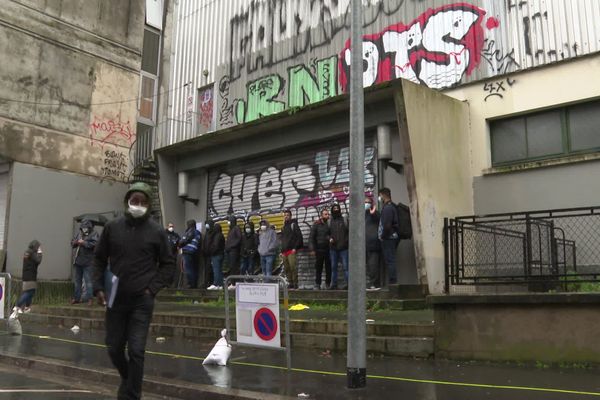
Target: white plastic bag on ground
{"x":220,"y":352}
{"x":14,"y":326}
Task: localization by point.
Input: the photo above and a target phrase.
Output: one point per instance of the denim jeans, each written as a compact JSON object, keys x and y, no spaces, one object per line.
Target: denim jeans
{"x":388,"y":250}
{"x":26,"y":298}
{"x":335,"y":256}
{"x":127,"y":324}
{"x":247,"y":265}
{"x":266,"y":264}
{"x":217,"y":267}
{"x":82,"y":274}
{"x":190,"y":266}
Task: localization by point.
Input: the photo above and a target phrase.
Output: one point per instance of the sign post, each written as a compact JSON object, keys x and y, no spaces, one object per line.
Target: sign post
{"x":257,"y":313}
{"x":5,"y":283}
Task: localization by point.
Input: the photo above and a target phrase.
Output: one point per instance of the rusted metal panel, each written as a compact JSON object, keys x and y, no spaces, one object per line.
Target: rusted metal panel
{"x":266,"y":56}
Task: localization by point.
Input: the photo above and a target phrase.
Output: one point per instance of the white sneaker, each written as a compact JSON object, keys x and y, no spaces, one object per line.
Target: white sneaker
{"x":219,"y":288}
{"x":372,"y":289}
{"x":211,"y":287}
{"x":231,"y":287}
{"x":27,"y":309}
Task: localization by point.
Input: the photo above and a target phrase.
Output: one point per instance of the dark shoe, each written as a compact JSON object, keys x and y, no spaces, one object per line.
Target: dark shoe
{"x":332,"y":287}
{"x":90,"y":302}
{"x":73,"y":301}
{"x":345,"y":287}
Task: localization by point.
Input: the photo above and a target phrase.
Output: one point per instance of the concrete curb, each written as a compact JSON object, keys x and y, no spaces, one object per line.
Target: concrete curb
{"x":170,"y":388}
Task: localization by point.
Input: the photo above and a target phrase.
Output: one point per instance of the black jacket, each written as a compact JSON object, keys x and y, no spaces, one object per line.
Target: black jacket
{"x":249,"y":241}
{"x":339,"y":233}
{"x":234,"y":236}
{"x":388,"y":221}
{"x":215,"y":241}
{"x":371,"y":228}
{"x":174,"y":239}
{"x":319,"y":236}
{"x":31,"y":261}
{"x":84,"y":253}
{"x":139,"y":253}
{"x":291,"y":236}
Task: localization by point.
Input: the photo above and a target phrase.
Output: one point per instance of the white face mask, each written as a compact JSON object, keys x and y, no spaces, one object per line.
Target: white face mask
{"x":367,"y":206}
{"x":170,"y":229}
{"x":380,"y":199}
{"x":263,"y":227}
{"x":137,"y":211}
{"x":248,"y":230}
{"x":229,"y":223}
{"x":39,"y":250}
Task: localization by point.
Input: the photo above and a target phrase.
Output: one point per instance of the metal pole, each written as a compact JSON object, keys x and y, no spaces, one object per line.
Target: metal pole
{"x":356,"y":368}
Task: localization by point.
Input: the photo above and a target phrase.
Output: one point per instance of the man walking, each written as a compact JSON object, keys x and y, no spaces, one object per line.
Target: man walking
{"x":291,"y":241}
{"x":339,"y":244}
{"x":142,"y":262}
{"x":388,"y":233}
{"x":84,"y":244}
{"x":318,"y":243}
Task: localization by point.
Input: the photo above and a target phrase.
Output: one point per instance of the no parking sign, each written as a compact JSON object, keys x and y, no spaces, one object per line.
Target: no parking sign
{"x":257,"y":314}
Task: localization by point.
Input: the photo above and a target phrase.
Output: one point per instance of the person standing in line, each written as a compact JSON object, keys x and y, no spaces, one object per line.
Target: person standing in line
{"x":318,"y":243}
{"x":84,"y":244}
{"x":215,"y":250}
{"x":388,"y":233}
{"x":173,"y":236}
{"x":373,"y":246}
{"x":338,"y":244}
{"x":174,"y":239}
{"x":248,"y":249}
{"x":291,"y":241}
{"x":143,"y":263}
{"x":232,"y":247}
{"x":31,"y":261}
{"x":190,"y":249}
{"x":267,"y":247}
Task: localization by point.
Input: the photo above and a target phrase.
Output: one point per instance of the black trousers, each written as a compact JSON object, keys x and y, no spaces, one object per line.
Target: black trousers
{"x":322,"y":257}
{"x":127,"y":323}
{"x":233,"y":258}
{"x":372,"y":268}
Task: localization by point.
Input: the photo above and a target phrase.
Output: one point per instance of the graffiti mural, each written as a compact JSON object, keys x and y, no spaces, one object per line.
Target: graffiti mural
{"x":111,"y":131}
{"x":436,"y":49}
{"x":205,"y":109}
{"x":114,"y":165}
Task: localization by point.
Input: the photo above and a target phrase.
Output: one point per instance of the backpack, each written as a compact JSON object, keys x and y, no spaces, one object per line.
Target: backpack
{"x":404,"y":227}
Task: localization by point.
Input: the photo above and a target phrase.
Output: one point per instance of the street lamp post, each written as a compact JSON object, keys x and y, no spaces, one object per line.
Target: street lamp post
{"x":356,"y":366}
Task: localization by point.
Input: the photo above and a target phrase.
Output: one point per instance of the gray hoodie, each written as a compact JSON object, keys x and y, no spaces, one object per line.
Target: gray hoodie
{"x":267,"y":241}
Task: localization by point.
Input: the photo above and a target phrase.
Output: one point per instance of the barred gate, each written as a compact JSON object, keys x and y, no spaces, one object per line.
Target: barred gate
{"x":538,"y":250}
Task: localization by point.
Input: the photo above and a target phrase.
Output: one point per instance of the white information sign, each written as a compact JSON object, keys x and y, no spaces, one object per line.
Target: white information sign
{"x":257,"y":314}
{"x":2,"y":296}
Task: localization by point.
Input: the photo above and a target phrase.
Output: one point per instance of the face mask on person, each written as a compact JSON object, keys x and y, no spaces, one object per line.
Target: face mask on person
{"x":263,"y":228}
{"x":137,"y":211}
{"x":248,"y":230}
{"x":380,"y":199}
{"x":170,"y":229}
{"x":85,"y":231}
{"x":229,"y":223}
{"x":367,"y":206}
{"x":208,"y":227}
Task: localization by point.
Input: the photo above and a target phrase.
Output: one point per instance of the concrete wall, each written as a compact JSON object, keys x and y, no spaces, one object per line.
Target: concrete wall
{"x":569,"y":182}
{"x":63,"y":60}
{"x":43,"y":203}
{"x":435,"y":128}
{"x":534,"y":328}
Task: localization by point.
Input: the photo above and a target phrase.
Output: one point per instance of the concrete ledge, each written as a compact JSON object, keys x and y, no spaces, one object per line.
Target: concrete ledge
{"x":169,"y":388}
{"x":525,"y":298}
{"x":549,"y":328}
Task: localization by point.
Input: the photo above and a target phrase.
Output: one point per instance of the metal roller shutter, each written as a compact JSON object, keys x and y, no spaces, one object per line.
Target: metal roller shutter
{"x":303,"y":180}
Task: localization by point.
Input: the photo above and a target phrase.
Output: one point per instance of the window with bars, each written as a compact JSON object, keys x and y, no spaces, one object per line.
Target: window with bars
{"x":547,"y":134}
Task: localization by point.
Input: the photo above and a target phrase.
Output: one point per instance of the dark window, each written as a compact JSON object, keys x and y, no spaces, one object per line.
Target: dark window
{"x":548,"y":134}
{"x":150,"y":52}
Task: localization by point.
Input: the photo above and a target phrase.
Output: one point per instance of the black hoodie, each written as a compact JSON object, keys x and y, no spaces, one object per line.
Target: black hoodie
{"x":291,"y":236}
{"x":84,"y":253}
{"x":249,"y":241}
{"x":234,"y":237}
{"x":31,"y":261}
{"x":215,"y":241}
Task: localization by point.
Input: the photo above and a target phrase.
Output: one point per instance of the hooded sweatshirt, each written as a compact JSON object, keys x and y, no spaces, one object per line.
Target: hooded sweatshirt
{"x":191,"y":239}
{"x":84,"y":254}
{"x":215,"y":241}
{"x":31,"y":260}
{"x":249,"y":241}
{"x":267,"y":241}
{"x":138,"y":249}
{"x":234,"y":237}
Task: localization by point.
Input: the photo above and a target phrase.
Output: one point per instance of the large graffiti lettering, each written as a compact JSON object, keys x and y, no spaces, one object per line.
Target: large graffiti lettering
{"x":109,"y":131}
{"x":309,"y":24}
{"x":114,"y":165}
{"x":435,"y":49}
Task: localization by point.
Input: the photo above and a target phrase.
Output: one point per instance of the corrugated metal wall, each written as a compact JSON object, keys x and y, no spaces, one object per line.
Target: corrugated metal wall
{"x":265,"y":56}
{"x":304,"y":181}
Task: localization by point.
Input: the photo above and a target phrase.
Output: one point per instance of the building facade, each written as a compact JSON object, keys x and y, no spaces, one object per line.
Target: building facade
{"x":488,"y":105}
{"x":68,"y":114}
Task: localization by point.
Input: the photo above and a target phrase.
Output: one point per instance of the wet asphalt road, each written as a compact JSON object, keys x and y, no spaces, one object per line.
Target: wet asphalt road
{"x":319,"y":374}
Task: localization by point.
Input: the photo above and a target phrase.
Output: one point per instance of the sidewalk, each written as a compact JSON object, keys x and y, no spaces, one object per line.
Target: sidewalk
{"x":261,"y":374}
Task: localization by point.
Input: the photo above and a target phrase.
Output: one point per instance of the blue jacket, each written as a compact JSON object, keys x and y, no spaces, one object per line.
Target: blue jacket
{"x":190,"y":241}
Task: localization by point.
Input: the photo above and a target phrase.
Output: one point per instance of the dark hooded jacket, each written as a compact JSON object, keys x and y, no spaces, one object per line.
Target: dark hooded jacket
{"x":215,"y":241}
{"x":319,"y":236}
{"x":234,"y":237}
{"x":249,"y":241}
{"x":31,"y":261}
{"x":339,"y":231}
{"x":84,"y":253}
{"x":138,"y":250}
{"x":371,"y":228}
{"x":291,"y":236}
